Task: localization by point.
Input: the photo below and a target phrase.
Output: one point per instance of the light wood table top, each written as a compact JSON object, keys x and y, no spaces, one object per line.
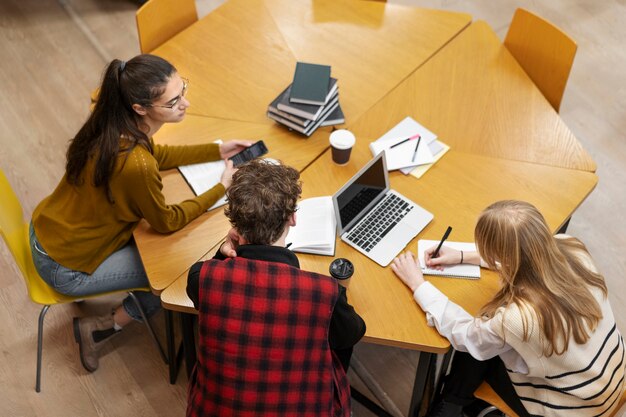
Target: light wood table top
{"x":165,"y":257}
{"x":175,"y":298}
{"x":507,"y":143}
{"x":455,"y":190}
{"x":477,"y":99}
{"x":242,"y":55}
{"x":386,"y":305}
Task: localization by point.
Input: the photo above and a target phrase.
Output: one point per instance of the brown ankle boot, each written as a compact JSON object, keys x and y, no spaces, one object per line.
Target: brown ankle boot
{"x":89,"y":347}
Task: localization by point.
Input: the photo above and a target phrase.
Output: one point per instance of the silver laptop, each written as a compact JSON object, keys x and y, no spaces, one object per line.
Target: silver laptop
{"x":372,"y":218}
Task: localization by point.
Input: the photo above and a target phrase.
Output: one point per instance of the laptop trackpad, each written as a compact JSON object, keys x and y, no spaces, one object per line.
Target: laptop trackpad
{"x":392,"y":244}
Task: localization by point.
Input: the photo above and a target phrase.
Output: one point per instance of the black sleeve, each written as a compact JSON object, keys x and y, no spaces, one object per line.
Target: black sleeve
{"x":193,"y":280}
{"x":193,"y":283}
{"x":346,"y":326}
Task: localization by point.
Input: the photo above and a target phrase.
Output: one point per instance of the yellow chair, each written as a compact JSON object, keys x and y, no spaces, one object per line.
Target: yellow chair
{"x":159,"y":20}
{"x":94,"y":97}
{"x":544,"y":51}
{"x":15,"y":232}
{"x":488,"y":395}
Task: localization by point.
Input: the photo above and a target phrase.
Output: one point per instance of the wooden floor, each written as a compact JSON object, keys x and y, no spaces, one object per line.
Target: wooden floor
{"x":52,"y":53}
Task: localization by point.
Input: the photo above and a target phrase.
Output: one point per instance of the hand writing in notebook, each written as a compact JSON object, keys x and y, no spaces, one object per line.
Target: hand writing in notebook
{"x":407,"y":268}
{"x":446,"y":256}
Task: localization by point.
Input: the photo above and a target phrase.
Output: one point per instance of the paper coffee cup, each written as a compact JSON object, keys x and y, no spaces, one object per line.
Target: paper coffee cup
{"x":342,"y":270}
{"x":341,"y":142}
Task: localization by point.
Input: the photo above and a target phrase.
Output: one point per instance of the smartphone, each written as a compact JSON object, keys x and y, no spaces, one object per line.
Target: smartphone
{"x":249,"y":153}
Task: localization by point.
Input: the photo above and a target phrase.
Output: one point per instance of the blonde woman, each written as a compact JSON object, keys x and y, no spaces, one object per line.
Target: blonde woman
{"x":547,"y":342}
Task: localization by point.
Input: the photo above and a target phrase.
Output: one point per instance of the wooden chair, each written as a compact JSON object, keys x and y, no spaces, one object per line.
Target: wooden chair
{"x":159,"y":20}
{"x":15,"y":232}
{"x":93,"y":98}
{"x":487,"y":394}
{"x":544,"y":51}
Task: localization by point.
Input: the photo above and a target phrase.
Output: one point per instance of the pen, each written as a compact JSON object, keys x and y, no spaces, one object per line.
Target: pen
{"x":416,"y":136}
{"x":445,"y":236}
{"x":416,"y":146}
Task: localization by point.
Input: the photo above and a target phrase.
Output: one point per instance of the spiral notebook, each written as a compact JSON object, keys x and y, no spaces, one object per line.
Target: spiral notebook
{"x":454,"y":271}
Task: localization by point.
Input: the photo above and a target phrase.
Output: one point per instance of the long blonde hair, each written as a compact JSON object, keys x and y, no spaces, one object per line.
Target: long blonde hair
{"x":540,"y":273}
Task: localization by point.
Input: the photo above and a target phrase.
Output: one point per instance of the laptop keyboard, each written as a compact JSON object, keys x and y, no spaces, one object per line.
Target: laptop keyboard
{"x":379,"y":222}
{"x":358,"y":203}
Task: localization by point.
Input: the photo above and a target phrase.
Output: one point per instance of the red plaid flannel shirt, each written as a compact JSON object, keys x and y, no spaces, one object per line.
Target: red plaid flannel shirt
{"x":264,"y":351}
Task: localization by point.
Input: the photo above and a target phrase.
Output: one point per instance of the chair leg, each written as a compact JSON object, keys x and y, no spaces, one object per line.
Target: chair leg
{"x":189,"y":341}
{"x":487,"y":411}
{"x":367,"y":403}
{"x":42,"y":315}
{"x":149,"y":326}
{"x":171,"y":348}
{"x":563,"y":228}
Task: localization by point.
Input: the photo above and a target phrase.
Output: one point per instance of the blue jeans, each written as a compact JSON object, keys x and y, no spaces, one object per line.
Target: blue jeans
{"x":121,"y":270}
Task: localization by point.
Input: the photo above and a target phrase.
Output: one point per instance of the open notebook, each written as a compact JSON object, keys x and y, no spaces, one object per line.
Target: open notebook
{"x":315,"y":227}
{"x":202,"y":177}
{"x":455,"y":271}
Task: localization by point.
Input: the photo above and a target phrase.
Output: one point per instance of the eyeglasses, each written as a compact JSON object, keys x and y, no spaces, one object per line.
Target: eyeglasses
{"x":173,"y":102}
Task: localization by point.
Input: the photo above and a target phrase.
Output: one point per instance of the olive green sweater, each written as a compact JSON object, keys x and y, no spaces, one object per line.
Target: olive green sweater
{"x":79,"y":228}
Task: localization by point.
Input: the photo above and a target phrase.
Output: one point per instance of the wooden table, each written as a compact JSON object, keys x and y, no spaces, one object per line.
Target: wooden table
{"x":507,"y":141}
{"x":456,"y":198}
{"x":242,"y":55}
{"x":165,"y":257}
{"x":474,"y":95}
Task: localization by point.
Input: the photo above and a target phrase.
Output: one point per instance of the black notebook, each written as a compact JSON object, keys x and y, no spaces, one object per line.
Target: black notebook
{"x":334,"y":118}
{"x":305,"y":111}
{"x":310,"y":84}
{"x":311,"y":127}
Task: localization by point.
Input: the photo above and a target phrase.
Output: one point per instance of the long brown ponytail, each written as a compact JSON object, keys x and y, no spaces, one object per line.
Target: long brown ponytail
{"x":138,"y":81}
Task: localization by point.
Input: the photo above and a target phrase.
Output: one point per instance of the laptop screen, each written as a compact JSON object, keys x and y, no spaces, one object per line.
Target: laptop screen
{"x":361,"y":192}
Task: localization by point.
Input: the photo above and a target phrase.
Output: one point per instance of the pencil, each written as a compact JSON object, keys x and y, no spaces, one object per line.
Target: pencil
{"x":416,"y":136}
{"x":416,"y":146}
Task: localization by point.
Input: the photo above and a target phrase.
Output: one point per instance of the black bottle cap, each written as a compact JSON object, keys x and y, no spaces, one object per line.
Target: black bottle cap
{"x":341,"y":268}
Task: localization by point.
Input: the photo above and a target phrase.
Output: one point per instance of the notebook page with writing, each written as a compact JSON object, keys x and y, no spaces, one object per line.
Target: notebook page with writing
{"x":455,"y":271}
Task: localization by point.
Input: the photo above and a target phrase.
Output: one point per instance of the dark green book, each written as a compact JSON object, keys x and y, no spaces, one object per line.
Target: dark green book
{"x":335,"y":118}
{"x":308,"y":130}
{"x":310,"y":84}
{"x":306,"y":111}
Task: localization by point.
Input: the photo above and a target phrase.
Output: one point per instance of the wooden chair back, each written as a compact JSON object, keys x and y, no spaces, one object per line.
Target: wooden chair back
{"x":488,"y":395}
{"x":544,"y":51}
{"x":159,"y":20}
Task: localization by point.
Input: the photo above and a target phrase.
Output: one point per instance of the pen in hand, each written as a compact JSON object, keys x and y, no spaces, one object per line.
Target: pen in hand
{"x":443,"y":239}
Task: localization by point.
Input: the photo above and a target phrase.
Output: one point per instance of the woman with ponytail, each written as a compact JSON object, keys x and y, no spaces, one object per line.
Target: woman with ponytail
{"x":547,"y":342}
{"x":81,"y":235}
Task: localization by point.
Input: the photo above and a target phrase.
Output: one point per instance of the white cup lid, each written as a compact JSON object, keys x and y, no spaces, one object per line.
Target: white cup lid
{"x":342,"y":139}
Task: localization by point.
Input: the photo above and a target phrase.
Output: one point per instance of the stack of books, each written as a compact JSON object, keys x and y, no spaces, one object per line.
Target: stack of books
{"x":310,"y":101}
